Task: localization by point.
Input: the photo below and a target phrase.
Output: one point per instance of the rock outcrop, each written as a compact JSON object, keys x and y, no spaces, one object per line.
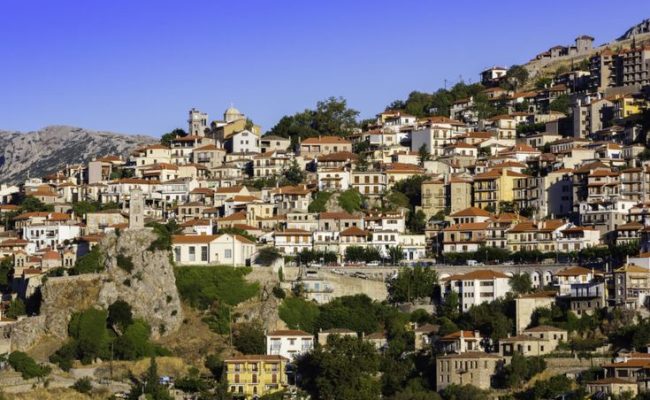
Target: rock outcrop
{"x":144,"y":279}
{"x":47,"y":150}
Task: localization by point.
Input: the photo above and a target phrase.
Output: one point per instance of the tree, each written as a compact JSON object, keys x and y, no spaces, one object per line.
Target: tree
{"x":345,"y":369}
{"x":6,"y":272}
{"x":167,"y":138}
{"x":465,"y":392}
{"x":394,"y":200}
{"x":298,"y":313}
{"x":267,"y":256}
{"x":412,"y":283}
{"x":152,"y":386}
{"x":520,"y":370}
{"x":88,"y":328}
{"x":423,"y":155}
{"x":331,"y":117}
{"x":451,"y":306}
{"x":32,"y":204}
{"x":120,"y":315}
{"x":294,"y":174}
{"x":395,"y":254}
{"x":517,"y":76}
{"x":249,"y":338}
{"x":521,"y":283}
{"x":561,"y":104}
{"x":416,"y":221}
{"x":411,"y":188}
{"x":16,"y":309}
{"x":88,"y":263}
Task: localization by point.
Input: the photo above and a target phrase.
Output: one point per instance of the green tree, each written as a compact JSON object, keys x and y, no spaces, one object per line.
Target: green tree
{"x":416,"y":221}
{"x":294,"y":174}
{"x":134,"y":343}
{"x":411,"y":188}
{"x":319,"y":202}
{"x":395,"y":200}
{"x":249,"y":338}
{"x":120,"y":314}
{"x":451,"y":306}
{"x":32,"y":204}
{"x":16,"y":308}
{"x":299,"y":314}
{"x":267,"y":256}
{"x":517,"y":76}
{"x":411,"y":284}
{"x":395,"y":254}
{"x":423,"y":155}
{"x":152,"y":386}
{"x":89,"y":263}
{"x":166,"y":139}
{"x":6,"y":273}
{"x":520,"y":283}
{"x":345,"y":369}
{"x":465,"y":392}
{"x":88,"y":328}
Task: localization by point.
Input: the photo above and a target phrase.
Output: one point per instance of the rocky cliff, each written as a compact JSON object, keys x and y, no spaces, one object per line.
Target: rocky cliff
{"x":51,"y":148}
{"x":142,"y":278}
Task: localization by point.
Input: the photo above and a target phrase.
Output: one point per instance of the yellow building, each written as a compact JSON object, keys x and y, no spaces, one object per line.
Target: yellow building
{"x":629,"y":105}
{"x":495,"y":186}
{"x":256,"y":375}
{"x":433,"y":197}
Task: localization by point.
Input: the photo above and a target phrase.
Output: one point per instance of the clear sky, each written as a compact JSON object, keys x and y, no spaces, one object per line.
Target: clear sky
{"x":138,"y":66}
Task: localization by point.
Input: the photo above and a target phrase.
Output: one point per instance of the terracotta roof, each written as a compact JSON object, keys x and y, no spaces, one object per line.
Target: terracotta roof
{"x":354,"y":231}
{"x":520,"y":338}
{"x":629,"y":364}
{"x":292,"y":232}
{"x":458,"y":334}
{"x":232,"y":189}
{"x":471,"y":212}
{"x":325,"y":140}
{"x":573,"y":271}
{"x":339,"y":156}
{"x":238,"y":216}
{"x":191,"y":239}
{"x":51,"y":255}
{"x":428,"y":328}
{"x":299,"y":190}
{"x":473,"y":226}
{"x":336,"y":215}
{"x":289,"y":332}
{"x":481,"y":274}
{"x":633,"y":268}
{"x":375,"y":336}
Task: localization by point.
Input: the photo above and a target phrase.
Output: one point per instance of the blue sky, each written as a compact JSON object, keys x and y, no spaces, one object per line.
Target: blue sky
{"x":138,"y":66}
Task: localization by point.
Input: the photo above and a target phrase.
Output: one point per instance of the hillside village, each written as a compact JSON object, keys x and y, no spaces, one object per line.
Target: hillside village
{"x":487,"y":240}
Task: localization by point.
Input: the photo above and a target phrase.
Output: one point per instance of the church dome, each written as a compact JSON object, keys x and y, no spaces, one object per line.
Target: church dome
{"x":232,"y":114}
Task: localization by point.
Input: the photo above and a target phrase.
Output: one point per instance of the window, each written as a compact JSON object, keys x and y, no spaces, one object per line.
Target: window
{"x":192,"y":253}
{"x":228,"y":253}
{"x":204,"y":253}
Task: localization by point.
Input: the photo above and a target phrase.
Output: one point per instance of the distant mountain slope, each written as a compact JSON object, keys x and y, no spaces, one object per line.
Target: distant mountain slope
{"x":51,"y":148}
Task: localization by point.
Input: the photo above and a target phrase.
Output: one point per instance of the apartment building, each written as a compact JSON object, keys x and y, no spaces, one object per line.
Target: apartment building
{"x":476,"y":287}
{"x":253,"y":376}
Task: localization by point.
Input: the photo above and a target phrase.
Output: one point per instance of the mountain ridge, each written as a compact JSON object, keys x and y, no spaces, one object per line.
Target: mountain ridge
{"x":45,"y":151}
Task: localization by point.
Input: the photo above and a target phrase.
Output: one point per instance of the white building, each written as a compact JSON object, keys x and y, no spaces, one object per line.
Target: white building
{"x":243,"y":142}
{"x":476,"y":287}
{"x":52,"y":236}
{"x":225,"y":249}
{"x":289,"y":343}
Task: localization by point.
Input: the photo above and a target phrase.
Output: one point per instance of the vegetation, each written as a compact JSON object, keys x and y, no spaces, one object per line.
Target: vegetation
{"x":561,"y":104}
{"x":346,"y":370}
{"x":438,"y":103}
{"x":98,"y":334}
{"x":307,"y":256}
{"x":125,"y":262}
{"x":521,"y":283}
{"x":26,"y":366}
{"x":202,"y":286}
{"x":319,"y":202}
{"x":267,"y":256}
{"x":83,"y":385}
{"x":237,"y":231}
{"x":166,"y":139}
{"x":361,"y":254}
{"x":164,"y":232}
{"x":331,"y":117}
{"x":520,"y":370}
{"x":89,"y":263}
{"x":249,"y":338}
{"x":411,"y":284}
{"x":351,"y":200}
{"x":294,"y":174}
{"x":298,"y":313}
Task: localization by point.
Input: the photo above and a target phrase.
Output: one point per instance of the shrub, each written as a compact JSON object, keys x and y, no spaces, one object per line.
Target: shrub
{"x":26,"y":366}
{"x":83,"y":385}
{"x":267,"y":256}
{"x":88,"y":328}
{"x":125,"y":262}
{"x":88,"y":263}
{"x":278,"y":292}
{"x":65,"y":355}
{"x":218,"y":318}
{"x":351,"y":200}
{"x":319,"y":202}
{"x":16,"y":309}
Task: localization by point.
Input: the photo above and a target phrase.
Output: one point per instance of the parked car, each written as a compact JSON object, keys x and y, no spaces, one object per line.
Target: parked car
{"x":373,"y":264}
{"x":472,"y":263}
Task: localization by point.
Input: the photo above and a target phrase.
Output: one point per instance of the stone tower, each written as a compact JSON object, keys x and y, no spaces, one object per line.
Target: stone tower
{"x":136,"y":210}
